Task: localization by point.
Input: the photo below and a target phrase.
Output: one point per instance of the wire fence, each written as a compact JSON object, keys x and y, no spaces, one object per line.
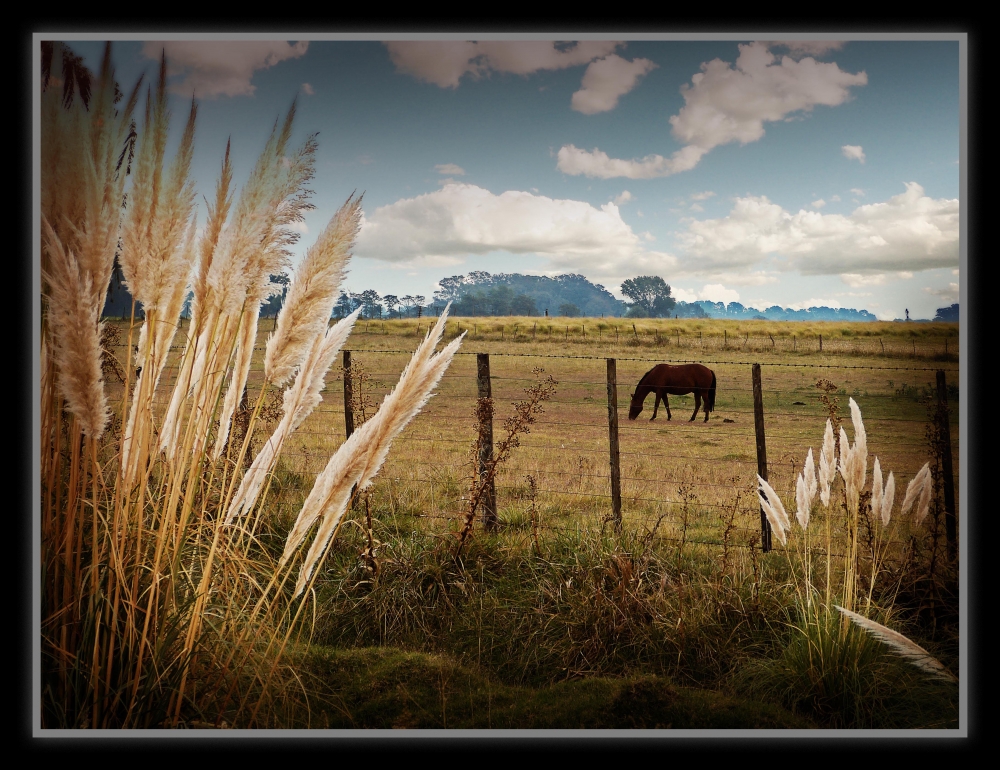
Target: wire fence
{"x":679,"y":477}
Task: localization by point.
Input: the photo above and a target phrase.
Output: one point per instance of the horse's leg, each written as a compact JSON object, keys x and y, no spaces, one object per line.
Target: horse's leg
{"x":705,"y":409}
{"x":656,"y":404}
{"x":667,"y":404}
{"x":697,"y":403}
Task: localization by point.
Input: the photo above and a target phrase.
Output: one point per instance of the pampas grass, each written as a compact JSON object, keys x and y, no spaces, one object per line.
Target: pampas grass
{"x":773,"y":509}
{"x":909,"y":649}
{"x":359,"y":458}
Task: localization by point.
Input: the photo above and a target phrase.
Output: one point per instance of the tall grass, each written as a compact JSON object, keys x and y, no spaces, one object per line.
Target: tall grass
{"x":163,"y":597}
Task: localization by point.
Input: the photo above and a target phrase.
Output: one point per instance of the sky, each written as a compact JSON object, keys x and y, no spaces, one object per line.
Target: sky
{"x":794,"y":172}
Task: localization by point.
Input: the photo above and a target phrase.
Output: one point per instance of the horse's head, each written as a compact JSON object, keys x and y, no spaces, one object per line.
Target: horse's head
{"x":635,"y":407}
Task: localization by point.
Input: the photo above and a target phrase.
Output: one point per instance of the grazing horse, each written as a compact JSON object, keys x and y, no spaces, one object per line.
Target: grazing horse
{"x":675,"y":380}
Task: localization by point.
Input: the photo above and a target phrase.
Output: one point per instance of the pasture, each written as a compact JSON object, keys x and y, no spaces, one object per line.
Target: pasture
{"x":682,"y":593}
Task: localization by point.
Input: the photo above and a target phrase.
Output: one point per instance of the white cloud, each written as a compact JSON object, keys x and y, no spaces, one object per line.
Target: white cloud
{"x":449,"y":168}
{"x":853,"y":152}
{"x":445,"y":62}
{"x":624,"y":197}
{"x":299,"y":226}
{"x":220,"y":67}
{"x":596,"y":163}
{"x":858,"y":191}
{"x":808,"y":47}
{"x":606,"y":80}
{"x":949,"y":294}
{"x":648,"y":236}
{"x":697,"y":207}
{"x":908,"y":232}
{"x":462,"y":219}
{"x":835,"y":199}
{"x":702,"y":196}
{"x":856,"y":280}
{"x":308,"y":89}
{"x":818,"y":204}
{"x":716,"y":292}
{"x":683,"y":295}
{"x":727,"y":104}
{"x":815,"y":302}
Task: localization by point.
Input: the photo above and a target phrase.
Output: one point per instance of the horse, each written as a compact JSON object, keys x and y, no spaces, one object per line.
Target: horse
{"x":678,"y":381}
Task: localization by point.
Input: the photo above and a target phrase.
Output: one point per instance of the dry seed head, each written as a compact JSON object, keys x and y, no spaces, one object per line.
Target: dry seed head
{"x":360,"y":457}
{"x":925,"y":499}
{"x":773,"y":508}
{"x":827,"y":464}
{"x":809,"y":472}
{"x":801,"y":501}
{"x":860,"y":446}
{"x":914,"y":488}
{"x":877,"y":491}
{"x":887,"y":499}
{"x":312,"y":294}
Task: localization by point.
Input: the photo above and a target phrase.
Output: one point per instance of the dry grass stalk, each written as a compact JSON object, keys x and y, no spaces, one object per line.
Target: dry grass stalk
{"x":773,"y":509}
{"x":827,"y":464}
{"x":916,"y":490}
{"x":359,"y":458}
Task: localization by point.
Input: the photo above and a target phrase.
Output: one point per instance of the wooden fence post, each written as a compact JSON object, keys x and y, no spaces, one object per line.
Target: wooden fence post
{"x":486,"y":448}
{"x":616,"y":472}
{"x":758,"y":422}
{"x":348,"y":395}
{"x":944,"y":431}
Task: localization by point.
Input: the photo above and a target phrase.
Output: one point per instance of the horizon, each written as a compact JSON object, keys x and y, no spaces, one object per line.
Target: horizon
{"x":799,"y":173}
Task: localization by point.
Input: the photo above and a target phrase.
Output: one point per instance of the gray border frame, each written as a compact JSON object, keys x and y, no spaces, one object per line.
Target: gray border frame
{"x":967,"y":530}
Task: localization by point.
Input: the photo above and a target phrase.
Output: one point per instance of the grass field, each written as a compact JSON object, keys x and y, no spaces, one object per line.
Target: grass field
{"x":683,"y":593}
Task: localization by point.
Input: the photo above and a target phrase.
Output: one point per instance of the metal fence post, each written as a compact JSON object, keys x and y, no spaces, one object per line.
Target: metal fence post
{"x":946,"y":468}
{"x":486,"y":448}
{"x":616,"y":472}
{"x":758,"y":422}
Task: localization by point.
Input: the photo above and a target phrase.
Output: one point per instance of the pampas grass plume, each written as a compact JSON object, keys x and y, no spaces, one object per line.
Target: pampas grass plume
{"x":917,"y":655}
{"x":827,"y":464}
{"x":359,"y":459}
{"x":773,"y":508}
{"x":915,"y":488}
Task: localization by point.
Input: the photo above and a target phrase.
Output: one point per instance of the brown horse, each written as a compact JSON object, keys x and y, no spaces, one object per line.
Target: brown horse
{"x":675,"y":380}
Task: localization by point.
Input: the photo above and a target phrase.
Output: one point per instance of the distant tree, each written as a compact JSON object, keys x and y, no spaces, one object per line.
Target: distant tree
{"x":522,"y":304}
{"x":391,"y":301}
{"x":569,"y":310}
{"x":450,"y":289}
{"x":345,"y":305}
{"x":371,"y":303}
{"x":407,"y":304}
{"x":275,"y":302}
{"x":947,"y":313}
{"x":500,"y":299}
{"x":650,"y":295}
{"x":419,"y":302}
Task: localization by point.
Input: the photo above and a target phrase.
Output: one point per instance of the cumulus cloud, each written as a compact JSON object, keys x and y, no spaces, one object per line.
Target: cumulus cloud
{"x":858,"y":191}
{"x":449,"y":168}
{"x":445,"y":62}
{"x":624,"y":197}
{"x":815,"y":302}
{"x":697,"y":207}
{"x":596,"y":163}
{"x":910,"y":231}
{"x":606,"y":80}
{"x":220,"y":67}
{"x":462,"y":219}
{"x":727,"y":103}
{"x":818,"y":204}
{"x":835,"y":199}
{"x":853,"y":152}
{"x":307,"y":89}
{"x":702,"y":196}
{"x":716,"y":292}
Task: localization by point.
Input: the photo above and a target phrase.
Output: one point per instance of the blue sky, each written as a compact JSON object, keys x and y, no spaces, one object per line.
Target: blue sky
{"x":798,"y":172}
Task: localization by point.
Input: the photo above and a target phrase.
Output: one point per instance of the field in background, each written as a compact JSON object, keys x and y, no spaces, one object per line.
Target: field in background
{"x":684,"y":475}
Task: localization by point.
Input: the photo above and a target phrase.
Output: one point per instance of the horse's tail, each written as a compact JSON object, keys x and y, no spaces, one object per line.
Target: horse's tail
{"x":710,"y":397}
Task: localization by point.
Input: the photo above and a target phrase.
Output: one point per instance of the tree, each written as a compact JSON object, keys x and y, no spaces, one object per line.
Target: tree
{"x":650,"y":296}
{"x":569,"y":310}
{"x":419,"y":302}
{"x":371,"y":302}
{"x":345,"y":305}
{"x":523,"y":305}
{"x":500,"y":298}
{"x":407,"y":303}
{"x":391,"y":301}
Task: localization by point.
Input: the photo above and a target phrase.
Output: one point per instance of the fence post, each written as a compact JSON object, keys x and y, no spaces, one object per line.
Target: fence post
{"x":758,"y":422}
{"x":348,"y":395}
{"x":616,"y":472}
{"x":486,"y":448}
{"x":944,"y":430}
